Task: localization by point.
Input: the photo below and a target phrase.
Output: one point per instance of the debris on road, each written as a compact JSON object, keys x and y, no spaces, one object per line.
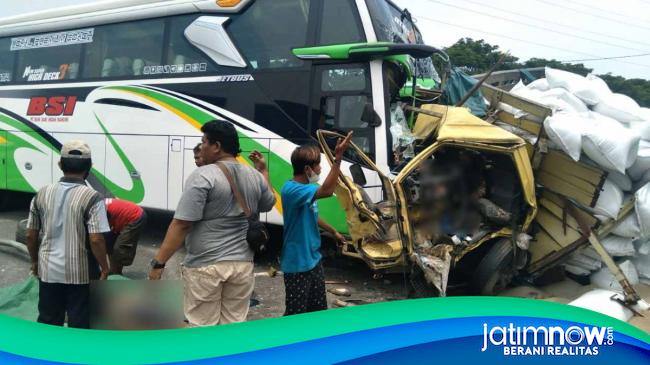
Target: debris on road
{"x":343,"y":292}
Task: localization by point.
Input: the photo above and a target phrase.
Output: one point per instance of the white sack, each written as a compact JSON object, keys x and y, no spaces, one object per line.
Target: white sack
{"x":641,"y":128}
{"x":565,"y":131}
{"x":599,"y":86}
{"x":599,"y":300}
{"x":539,"y":85}
{"x":609,"y":201}
{"x":641,"y":183}
{"x":618,"y":246}
{"x":574,"y":83}
{"x":642,"y":163}
{"x":604,"y":279}
{"x":642,"y":248}
{"x":642,"y":264}
{"x":645,"y":114}
{"x":628,"y":227}
{"x":576,"y":270}
{"x":620,"y":107}
{"x":642,"y":209}
{"x":621,"y":180}
{"x":609,"y":144}
{"x":520,"y":90}
{"x":591,"y":253}
{"x":560,"y":99}
{"x":585,"y":262}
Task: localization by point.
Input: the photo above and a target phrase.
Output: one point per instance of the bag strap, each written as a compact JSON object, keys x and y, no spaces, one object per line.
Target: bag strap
{"x":235,"y":190}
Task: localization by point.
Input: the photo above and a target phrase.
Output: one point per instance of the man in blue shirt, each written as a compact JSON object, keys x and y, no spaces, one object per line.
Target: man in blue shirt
{"x":304,"y":281}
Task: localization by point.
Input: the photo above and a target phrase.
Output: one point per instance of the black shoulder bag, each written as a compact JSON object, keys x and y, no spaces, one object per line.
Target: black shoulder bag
{"x":257,"y":235}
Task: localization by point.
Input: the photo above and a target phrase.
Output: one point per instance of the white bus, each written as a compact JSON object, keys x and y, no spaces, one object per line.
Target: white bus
{"x":136,"y":79}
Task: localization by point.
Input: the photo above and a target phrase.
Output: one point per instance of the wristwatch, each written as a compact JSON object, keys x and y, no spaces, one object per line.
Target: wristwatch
{"x":157,"y":265}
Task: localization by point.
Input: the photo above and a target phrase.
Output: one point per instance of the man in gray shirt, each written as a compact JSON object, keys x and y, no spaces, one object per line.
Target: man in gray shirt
{"x":218,"y":268}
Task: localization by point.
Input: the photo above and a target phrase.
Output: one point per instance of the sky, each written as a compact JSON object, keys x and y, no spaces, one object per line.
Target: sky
{"x":563,"y":30}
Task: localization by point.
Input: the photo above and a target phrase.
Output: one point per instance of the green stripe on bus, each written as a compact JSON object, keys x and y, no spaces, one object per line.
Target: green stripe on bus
{"x":279,"y":169}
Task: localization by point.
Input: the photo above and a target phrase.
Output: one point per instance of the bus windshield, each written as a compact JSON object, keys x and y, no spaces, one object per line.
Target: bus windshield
{"x":395,"y":25}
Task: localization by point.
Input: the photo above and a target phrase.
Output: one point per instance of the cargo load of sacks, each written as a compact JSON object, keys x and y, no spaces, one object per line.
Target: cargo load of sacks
{"x":592,"y":124}
{"x":628,"y":244}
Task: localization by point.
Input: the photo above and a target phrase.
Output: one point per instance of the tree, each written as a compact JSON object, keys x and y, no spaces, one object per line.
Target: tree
{"x":477,"y":56}
{"x":637,"y":89}
{"x":577,"y":68}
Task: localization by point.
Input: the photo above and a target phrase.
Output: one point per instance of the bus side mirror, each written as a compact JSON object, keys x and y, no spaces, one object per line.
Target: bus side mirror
{"x":370,"y":116}
{"x":358,"y":177}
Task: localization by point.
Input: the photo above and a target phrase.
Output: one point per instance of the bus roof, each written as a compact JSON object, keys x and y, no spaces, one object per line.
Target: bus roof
{"x":105,"y":12}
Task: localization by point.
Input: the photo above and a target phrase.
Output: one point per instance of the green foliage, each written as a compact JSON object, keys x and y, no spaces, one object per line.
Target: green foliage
{"x":577,"y":68}
{"x":477,"y":56}
{"x":637,"y":89}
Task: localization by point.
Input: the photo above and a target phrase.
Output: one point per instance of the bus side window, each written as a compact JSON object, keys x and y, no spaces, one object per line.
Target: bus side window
{"x":181,"y":53}
{"x":125,"y":49}
{"x":6,"y":61}
{"x":48,"y":63}
{"x":344,"y":93}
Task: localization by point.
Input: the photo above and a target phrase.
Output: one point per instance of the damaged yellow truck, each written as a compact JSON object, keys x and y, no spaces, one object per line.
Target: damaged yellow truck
{"x":482,"y":201}
{"x":402,"y":229}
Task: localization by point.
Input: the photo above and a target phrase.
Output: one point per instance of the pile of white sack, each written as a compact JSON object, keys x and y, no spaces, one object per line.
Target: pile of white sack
{"x":592,"y":124}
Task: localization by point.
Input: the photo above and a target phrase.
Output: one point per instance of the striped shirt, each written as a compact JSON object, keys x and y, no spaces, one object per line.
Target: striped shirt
{"x":65,"y":213}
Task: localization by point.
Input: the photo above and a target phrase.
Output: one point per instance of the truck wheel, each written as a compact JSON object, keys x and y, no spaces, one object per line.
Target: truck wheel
{"x":494,"y":272}
{"x":21,"y":232}
{"x":420,"y":287}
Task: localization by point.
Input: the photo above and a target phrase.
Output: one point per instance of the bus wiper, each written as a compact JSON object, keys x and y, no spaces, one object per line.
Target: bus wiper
{"x":406,"y":14}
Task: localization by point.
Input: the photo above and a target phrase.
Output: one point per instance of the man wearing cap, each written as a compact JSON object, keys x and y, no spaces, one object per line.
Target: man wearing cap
{"x":71,"y":218}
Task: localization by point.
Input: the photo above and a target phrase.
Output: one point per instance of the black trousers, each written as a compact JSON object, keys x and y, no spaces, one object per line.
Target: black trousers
{"x":55,"y":300}
{"x":305,"y":291}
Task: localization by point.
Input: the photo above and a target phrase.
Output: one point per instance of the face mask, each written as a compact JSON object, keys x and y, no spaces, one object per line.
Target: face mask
{"x":314,"y":178}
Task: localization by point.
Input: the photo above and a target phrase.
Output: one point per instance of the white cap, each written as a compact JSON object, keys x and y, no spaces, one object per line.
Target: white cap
{"x":75,"y":149}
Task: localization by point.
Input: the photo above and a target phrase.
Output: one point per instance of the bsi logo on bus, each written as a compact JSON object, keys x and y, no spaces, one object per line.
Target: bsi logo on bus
{"x":51,"y":109}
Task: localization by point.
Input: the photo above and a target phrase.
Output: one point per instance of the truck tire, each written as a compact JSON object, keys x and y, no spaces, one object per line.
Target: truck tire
{"x":495,"y":270}
{"x":21,"y":232}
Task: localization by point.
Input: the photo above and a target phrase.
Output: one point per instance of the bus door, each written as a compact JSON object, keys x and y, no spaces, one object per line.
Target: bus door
{"x":341,"y":101}
{"x":188,"y":162}
{"x":340,"y":94}
{"x":175,"y":171}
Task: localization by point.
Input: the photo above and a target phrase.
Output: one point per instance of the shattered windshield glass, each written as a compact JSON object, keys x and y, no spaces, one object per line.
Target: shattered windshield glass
{"x":394,"y":25}
{"x":391,"y":24}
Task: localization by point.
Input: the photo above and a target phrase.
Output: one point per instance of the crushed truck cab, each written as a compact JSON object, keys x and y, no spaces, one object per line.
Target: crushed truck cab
{"x":471,"y":189}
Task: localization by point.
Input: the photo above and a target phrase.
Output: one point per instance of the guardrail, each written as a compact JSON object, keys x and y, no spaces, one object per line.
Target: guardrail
{"x":507,"y":79}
